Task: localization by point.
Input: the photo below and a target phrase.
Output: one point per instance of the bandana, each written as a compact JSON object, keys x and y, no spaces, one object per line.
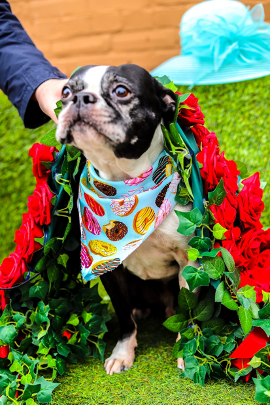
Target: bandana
{"x":116,"y":216}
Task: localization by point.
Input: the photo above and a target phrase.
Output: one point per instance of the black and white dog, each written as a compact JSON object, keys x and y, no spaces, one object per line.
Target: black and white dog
{"x":113,"y":115}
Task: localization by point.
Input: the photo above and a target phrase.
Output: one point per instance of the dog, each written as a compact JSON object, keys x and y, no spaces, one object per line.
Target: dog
{"x":114,"y":115}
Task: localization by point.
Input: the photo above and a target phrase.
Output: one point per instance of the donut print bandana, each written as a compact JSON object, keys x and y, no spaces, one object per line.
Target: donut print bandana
{"x":116,"y":216}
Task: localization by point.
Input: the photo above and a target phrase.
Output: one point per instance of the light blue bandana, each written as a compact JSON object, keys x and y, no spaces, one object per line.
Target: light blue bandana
{"x":116,"y":216}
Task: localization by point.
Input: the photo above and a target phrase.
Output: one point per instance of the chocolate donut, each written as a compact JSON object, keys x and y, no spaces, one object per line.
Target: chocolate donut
{"x":115,"y":230}
{"x":163,"y":170}
{"x":105,"y":188}
{"x":103,"y":266}
{"x":161,"y":196}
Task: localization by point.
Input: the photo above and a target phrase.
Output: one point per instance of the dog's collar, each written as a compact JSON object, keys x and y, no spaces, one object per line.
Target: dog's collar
{"x":116,"y":216}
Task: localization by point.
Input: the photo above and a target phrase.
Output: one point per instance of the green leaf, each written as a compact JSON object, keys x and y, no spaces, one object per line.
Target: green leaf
{"x":163,"y":79}
{"x":60,"y":365}
{"x":29,"y":390}
{"x":42,"y":349}
{"x":230,"y":343}
{"x":53,"y":272}
{"x":248,"y":292}
{"x":202,"y":244}
{"x":255,"y":362}
{"x":73,"y":320}
{"x":39,"y":290}
{"x":63,"y":259}
{"x":26,"y":379}
{"x":242,"y":168}
{"x":195,"y":277}
{"x":242,"y":372}
{"x":205,"y":308}
{"x":228,"y":259}
{"x":217,"y":196}
{"x":191,"y":367}
{"x":218,"y":231}
{"x":184,"y":97}
{"x":214,"y":266}
{"x":63,"y":349}
{"x":215,"y":324}
{"x":188,"y":221}
{"x":245,"y":302}
{"x":84,"y":333}
{"x":264,"y":313}
{"x":86,"y":316}
{"x":50,"y":361}
{"x":170,"y":86}
{"x":254,"y":310}
{"x":262,"y":323}
{"x":15,"y":367}
{"x":42,"y":313}
{"x":58,"y":108}
{"x":8,"y":334}
{"x":176,"y":323}
{"x":20,"y":319}
{"x":214,"y":347}
{"x":186,"y":299}
{"x":45,"y":394}
{"x":212,"y":253}
{"x":245,"y":319}
{"x":50,"y":140}
{"x":262,"y":389}
{"x":228,"y":302}
{"x":266,"y":296}
{"x":190,"y":348}
{"x":193,"y":254}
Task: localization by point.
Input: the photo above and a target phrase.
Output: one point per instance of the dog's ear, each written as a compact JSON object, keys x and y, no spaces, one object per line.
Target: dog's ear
{"x":167,"y":100}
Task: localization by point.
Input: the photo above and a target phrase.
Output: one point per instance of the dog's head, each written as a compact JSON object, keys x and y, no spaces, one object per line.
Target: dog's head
{"x":118,"y":108}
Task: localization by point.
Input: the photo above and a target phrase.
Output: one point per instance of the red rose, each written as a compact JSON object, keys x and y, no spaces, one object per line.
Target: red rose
{"x":257,"y":274}
{"x":193,"y":114}
{"x":4,"y":351}
{"x":41,"y":153}
{"x":67,"y":334}
{"x":25,"y":238}
{"x":250,"y":205}
{"x":231,"y":244}
{"x":225,"y":213}
{"x":3,"y":299}
{"x":12,"y":269}
{"x":251,"y":245}
{"x":39,"y":204}
{"x":203,"y":136}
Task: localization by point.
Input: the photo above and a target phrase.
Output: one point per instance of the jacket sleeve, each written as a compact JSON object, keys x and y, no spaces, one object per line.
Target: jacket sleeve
{"x":22,"y":68}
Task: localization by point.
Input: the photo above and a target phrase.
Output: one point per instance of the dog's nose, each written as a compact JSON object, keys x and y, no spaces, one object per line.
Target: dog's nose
{"x":81,"y":100}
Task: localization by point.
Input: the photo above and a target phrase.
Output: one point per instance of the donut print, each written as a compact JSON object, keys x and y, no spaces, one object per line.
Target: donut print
{"x":106,"y":189}
{"x":100,"y":248}
{"x":164,"y":210}
{"x":88,"y":171}
{"x":143,"y":220}
{"x":161,"y":196}
{"x":90,"y":222}
{"x":163,"y":170}
{"x":105,"y":265}
{"x":115,"y":230}
{"x":83,"y":234}
{"x":124,"y":206}
{"x":133,"y":245}
{"x":174,"y":183}
{"x":140,"y":179}
{"x":84,"y":181}
{"x":95,"y":206}
{"x":86,"y":258}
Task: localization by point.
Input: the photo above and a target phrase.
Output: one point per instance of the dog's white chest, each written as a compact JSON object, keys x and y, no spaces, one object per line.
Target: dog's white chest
{"x":162,"y":254}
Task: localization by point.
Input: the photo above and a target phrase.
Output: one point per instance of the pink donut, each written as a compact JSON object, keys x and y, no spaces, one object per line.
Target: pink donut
{"x":174,"y":183}
{"x":83,"y":235}
{"x":164,"y":210}
{"x":86,"y":258}
{"x":124,"y":206}
{"x":90,"y":222}
{"x":140,"y":179}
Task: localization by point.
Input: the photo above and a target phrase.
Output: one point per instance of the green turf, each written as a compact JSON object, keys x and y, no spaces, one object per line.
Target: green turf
{"x":153,"y":379}
{"x":239,"y":114}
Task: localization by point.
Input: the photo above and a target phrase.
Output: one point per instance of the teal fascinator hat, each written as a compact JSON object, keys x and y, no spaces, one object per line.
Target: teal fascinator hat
{"x":222,"y":41}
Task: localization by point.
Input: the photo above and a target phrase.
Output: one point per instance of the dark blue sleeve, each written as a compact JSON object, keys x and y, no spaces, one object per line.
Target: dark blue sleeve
{"x":22,"y":68}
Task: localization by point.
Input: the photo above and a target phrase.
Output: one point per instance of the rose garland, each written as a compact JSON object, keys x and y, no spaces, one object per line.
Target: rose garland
{"x":56,"y":318}
{"x":233,"y":337}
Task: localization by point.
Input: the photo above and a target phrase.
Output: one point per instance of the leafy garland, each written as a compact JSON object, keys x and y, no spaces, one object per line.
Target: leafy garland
{"x":56,"y":318}
{"x":220,"y":331}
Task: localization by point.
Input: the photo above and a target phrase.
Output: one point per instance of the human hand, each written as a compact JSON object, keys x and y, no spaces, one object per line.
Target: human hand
{"x":47,"y":94}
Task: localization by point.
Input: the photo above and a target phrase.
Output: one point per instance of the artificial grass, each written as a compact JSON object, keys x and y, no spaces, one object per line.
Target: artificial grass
{"x":153,"y":379}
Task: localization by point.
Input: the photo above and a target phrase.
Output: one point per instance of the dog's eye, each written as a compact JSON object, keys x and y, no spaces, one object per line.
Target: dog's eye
{"x":121,"y":92}
{"x":66,"y":92}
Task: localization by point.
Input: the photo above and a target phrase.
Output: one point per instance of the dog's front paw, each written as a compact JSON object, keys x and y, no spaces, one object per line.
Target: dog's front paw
{"x":123,"y":355}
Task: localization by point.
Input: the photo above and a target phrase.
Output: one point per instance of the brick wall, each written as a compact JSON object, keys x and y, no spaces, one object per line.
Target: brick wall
{"x":111,"y":32}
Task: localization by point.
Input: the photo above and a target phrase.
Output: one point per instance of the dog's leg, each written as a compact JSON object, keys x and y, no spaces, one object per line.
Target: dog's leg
{"x":123,"y":354}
